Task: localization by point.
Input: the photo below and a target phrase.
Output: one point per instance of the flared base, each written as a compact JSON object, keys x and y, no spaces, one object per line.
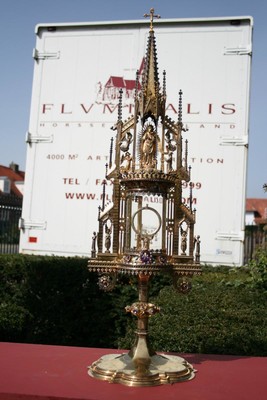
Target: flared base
{"x":162,"y":369}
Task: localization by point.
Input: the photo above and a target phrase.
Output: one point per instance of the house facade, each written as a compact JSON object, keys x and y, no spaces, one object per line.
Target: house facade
{"x":11,"y":195}
{"x":256,"y":227}
{"x":256,"y":212}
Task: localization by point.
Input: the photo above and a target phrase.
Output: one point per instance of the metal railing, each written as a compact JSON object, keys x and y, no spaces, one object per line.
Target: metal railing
{"x":10,"y":213}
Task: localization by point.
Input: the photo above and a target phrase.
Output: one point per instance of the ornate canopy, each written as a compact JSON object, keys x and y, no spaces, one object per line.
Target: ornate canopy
{"x":147,"y":228}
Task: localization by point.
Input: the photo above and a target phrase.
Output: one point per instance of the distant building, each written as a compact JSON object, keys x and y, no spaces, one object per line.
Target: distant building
{"x":11,"y":184}
{"x":256,"y":227}
{"x":110,"y":92}
{"x":256,"y":212}
{"x":11,"y":194}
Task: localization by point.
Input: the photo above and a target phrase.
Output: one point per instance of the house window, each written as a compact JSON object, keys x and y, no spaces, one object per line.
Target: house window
{"x":5,"y":184}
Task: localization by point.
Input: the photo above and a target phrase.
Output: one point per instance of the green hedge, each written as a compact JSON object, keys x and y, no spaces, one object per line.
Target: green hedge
{"x":221,"y":319}
{"x":55,"y":300}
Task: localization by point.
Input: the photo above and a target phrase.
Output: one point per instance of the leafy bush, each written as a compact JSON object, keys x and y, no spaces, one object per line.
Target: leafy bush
{"x":219,"y":316}
{"x":56,"y":300}
{"x":14,"y":316}
{"x":258,"y":269}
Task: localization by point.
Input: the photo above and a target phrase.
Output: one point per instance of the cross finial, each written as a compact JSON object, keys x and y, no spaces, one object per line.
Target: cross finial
{"x":152,"y":16}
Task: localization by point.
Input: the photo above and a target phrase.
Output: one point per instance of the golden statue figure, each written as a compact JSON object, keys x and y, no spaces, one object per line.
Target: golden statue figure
{"x":126,"y":160}
{"x":149,"y":145}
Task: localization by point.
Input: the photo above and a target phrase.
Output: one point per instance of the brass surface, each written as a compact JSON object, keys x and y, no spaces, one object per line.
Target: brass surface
{"x":162,"y":369}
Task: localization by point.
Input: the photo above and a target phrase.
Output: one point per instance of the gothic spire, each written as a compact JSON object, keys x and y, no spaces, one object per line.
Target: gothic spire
{"x":151,"y":100}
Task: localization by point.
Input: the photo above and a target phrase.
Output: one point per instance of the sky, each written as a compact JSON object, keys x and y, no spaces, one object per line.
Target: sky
{"x":18,"y":19}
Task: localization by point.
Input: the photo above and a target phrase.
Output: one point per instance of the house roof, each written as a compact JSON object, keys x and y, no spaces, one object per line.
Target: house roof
{"x":14,"y":174}
{"x":121,"y":83}
{"x":115,"y":81}
{"x":130,"y":84}
{"x":259,"y":208}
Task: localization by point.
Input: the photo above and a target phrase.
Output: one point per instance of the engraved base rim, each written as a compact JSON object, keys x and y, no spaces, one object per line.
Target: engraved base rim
{"x":121,"y":368}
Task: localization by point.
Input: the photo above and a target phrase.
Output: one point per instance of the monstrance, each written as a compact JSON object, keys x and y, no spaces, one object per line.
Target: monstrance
{"x":146,"y":229}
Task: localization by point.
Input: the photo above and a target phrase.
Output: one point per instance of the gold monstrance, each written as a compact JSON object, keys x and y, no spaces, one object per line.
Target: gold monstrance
{"x":146,"y":229}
